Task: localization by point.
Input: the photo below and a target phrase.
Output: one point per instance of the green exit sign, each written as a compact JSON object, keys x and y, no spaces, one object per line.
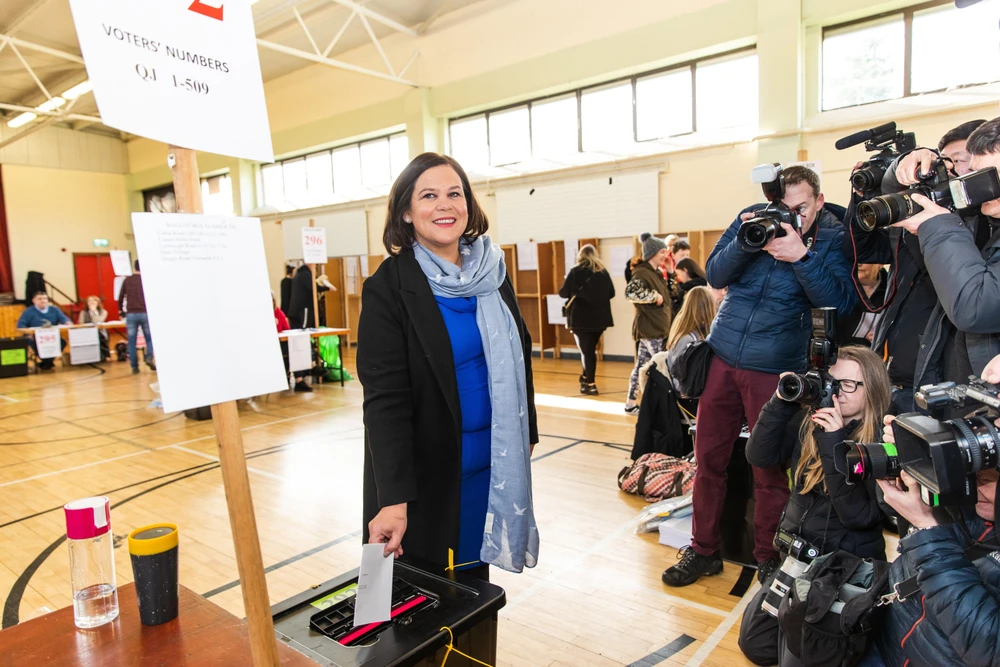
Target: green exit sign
{"x":100,"y":243}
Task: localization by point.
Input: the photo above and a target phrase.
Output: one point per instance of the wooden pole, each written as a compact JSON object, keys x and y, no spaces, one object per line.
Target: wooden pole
{"x":312,"y":223}
{"x":225,"y":418}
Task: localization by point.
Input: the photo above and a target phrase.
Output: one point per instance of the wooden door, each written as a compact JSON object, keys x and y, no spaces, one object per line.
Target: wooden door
{"x":95,"y":275}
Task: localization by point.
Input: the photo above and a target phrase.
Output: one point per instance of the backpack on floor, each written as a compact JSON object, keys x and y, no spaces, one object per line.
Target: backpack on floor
{"x":658,"y":476}
{"x":121,"y":351}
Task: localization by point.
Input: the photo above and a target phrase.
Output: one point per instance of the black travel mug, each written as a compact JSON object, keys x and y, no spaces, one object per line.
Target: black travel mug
{"x":153,"y":550}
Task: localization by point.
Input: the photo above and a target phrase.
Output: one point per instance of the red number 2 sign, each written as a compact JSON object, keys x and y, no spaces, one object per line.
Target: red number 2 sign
{"x":207,"y":10}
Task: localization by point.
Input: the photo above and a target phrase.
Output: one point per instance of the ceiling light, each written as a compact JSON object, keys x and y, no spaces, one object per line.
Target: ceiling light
{"x":78,"y":90}
{"x":51,"y":105}
{"x":23,"y":119}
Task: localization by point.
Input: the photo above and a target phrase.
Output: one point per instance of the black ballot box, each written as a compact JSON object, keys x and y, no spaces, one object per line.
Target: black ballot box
{"x":319,"y":623}
{"x":13,"y":357}
{"x":736,"y":523}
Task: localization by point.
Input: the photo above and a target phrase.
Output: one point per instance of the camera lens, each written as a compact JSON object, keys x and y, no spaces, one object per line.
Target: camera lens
{"x":756,"y":235}
{"x":877,"y":461}
{"x":784,"y":579}
{"x":886,"y":210}
{"x":980,"y":439}
{"x":868,"y":179}
{"x":806,"y":389}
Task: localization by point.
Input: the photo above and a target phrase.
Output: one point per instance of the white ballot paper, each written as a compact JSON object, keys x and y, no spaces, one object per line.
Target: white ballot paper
{"x":374,"y":600}
{"x":299,"y":351}
{"x":47,"y":342}
{"x":221,"y":259}
{"x":121,"y":263}
{"x":84,"y":346}
{"x":554,"y":304}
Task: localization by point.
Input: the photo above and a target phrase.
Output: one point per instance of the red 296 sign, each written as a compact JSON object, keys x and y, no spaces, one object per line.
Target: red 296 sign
{"x":207,"y":10}
{"x":314,"y":239}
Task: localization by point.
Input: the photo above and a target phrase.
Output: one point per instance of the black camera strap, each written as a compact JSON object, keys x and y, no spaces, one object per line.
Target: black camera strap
{"x":852,"y":211}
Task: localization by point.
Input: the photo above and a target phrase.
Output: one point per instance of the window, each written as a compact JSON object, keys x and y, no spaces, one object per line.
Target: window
{"x":948,"y":47}
{"x":620,"y":118}
{"x":355,"y":171}
{"x":663,"y":105}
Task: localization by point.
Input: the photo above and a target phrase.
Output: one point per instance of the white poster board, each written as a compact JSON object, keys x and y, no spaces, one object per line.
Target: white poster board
{"x":119,"y":281}
{"x":527,"y":256}
{"x":314,"y":245}
{"x":571,"y":248}
{"x":121,"y":262}
{"x":181,"y":72}
{"x":553,"y":305}
{"x":84,"y":346}
{"x":620,"y":256}
{"x":299,"y":351}
{"x":183,"y":255}
{"x":48,"y":342}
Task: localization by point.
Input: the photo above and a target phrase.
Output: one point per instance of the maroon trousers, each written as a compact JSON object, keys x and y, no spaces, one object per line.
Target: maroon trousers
{"x":730,"y":395}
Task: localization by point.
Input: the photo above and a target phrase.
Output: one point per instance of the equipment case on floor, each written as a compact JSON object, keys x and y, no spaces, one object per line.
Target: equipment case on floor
{"x":423,"y":603}
{"x":13,"y":357}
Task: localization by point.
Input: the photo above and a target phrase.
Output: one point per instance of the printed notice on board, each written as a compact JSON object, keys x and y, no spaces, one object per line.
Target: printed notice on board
{"x":314,"y":245}
{"x":181,"y":72}
{"x":220,"y":259}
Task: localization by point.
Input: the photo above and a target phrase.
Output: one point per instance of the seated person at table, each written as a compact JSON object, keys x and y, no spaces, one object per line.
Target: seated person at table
{"x":42,"y":314}
{"x":96,"y":314}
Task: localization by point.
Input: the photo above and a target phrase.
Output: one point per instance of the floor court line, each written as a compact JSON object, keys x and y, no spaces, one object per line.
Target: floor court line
{"x":256,"y":471}
{"x":723,"y":628}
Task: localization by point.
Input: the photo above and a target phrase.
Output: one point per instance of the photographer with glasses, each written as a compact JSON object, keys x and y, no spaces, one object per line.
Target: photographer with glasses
{"x":824,"y":510}
{"x":913,"y":333}
{"x":761,"y":330}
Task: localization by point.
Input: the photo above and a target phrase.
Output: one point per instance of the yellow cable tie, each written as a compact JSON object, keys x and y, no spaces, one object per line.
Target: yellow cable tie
{"x":451,"y":647}
{"x":451,"y":562}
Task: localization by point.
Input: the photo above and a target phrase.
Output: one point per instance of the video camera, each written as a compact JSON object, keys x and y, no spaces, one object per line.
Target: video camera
{"x":943,"y":455}
{"x":815,"y":387}
{"x":800,"y":554}
{"x":888,"y":143}
{"x":757,"y":232}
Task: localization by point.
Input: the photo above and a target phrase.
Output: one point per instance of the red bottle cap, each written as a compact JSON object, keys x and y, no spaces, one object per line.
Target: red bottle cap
{"x":88,"y":517}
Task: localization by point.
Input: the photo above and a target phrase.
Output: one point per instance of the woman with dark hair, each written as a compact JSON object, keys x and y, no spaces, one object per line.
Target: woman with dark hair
{"x":445,"y":361}
{"x":589,"y":291}
{"x":689,"y":276}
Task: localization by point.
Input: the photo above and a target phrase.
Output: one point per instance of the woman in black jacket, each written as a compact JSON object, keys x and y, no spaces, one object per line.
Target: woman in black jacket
{"x":823,"y":508}
{"x":445,"y":361}
{"x":588,"y":285}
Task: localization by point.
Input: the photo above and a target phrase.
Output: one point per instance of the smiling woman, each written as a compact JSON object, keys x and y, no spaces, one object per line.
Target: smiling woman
{"x":445,"y":360}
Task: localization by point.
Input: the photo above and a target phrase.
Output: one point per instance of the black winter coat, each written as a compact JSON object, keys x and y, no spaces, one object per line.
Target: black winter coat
{"x":659,"y":428}
{"x":412,"y":413}
{"x":591,"y":310}
{"x":286,"y":295}
{"x":955,"y":619}
{"x":302,"y":299}
{"x":842,"y":517}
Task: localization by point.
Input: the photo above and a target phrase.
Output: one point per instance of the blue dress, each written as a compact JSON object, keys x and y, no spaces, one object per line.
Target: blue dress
{"x":472,"y":376}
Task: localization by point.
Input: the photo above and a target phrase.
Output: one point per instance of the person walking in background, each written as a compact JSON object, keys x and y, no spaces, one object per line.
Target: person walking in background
{"x":589,"y":291}
{"x":286,"y":289}
{"x":132,"y":302}
{"x":648,"y":292}
{"x":95,"y":313}
{"x":42,"y":314}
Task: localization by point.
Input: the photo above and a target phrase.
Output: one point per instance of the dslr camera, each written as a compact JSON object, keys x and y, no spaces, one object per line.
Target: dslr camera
{"x":887,"y":143}
{"x":757,"y":232}
{"x":815,"y":388}
{"x":800,"y":554}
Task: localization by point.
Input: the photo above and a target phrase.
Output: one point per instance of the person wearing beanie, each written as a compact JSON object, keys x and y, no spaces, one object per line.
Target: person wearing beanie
{"x":649,"y":293}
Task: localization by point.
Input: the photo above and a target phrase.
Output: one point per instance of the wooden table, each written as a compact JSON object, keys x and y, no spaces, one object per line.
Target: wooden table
{"x":202,"y":634}
{"x":342,"y":334}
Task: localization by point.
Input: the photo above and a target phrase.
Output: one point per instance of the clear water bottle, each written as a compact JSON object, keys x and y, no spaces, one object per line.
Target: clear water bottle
{"x":91,"y":561}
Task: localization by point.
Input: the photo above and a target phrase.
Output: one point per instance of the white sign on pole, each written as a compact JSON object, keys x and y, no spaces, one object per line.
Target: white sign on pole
{"x":554,"y":304}
{"x":84,"y":346}
{"x":314,"y":245}
{"x":121,"y":262}
{"x":299,"y":351}
{"x":202,"y":254}
{"x":48,"y":342}
{"x":572,"y":248}
{"x":181,"y":72}
{"x":527,"y":256}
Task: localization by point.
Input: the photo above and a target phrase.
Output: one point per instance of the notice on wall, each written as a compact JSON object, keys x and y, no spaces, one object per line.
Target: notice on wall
{"x":181,"y":72}
{"x":206,"y":287}
{"x":620,"y":256}
{"x":47,"y":342}
{"x":527,"y":256}
{"x":121,"y":262}
{"x":84,"y":346}
{"x":553,"y":306}
{"x":314,"y":245}
{"x":572,"y":249}
{"x":364,"y":266}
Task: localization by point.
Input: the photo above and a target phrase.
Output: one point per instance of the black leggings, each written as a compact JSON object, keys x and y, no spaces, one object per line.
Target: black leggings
{"x":587,"y":342}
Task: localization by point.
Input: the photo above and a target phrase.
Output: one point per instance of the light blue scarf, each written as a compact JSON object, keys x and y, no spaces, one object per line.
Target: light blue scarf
{"x":510,"y":538}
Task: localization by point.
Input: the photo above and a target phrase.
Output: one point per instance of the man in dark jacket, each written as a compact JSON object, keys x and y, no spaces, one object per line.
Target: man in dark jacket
{"x":132,"y":302}
{"x":286,"y":290}
{"x":762,"y":329}
{"x":300,"y":309}
{"x":914,"y":335}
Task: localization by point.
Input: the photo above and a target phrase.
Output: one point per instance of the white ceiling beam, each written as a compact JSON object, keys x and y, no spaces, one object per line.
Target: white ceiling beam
{"x":14,"y":41}
{"x":34,"y":76}
{"x":298,"y":17}
{"x":409,"y":62}
{"x":375,"y":16}
{"x":72,"y":116}
{"x":305,"y":55}
{"x":378,"y":47}
{"x":340,"y":33}
{"x":31,"y":129}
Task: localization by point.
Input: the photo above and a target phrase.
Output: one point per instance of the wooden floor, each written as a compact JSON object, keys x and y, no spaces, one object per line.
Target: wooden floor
{"x":594,"y":599}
